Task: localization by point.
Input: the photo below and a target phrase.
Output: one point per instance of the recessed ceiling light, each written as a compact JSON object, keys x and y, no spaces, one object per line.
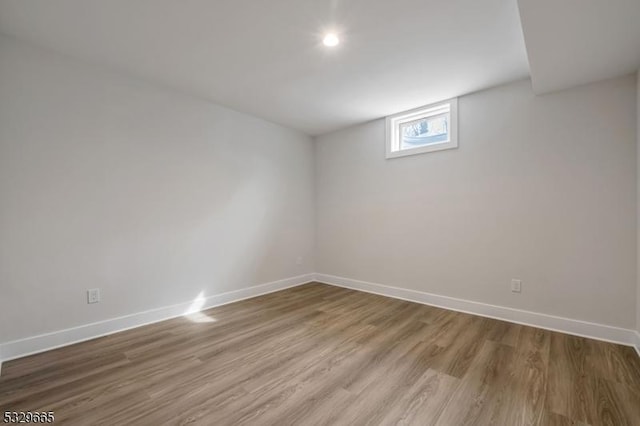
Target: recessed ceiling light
{"x":330,"y":40}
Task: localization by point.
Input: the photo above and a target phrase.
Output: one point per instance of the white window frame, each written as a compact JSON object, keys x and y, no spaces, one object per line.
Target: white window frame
{"x":393,"y":123}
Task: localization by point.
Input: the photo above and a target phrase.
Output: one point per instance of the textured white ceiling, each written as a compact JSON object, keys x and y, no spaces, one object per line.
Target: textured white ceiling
{"x":266,"y":57}
{"x":572,"y":42}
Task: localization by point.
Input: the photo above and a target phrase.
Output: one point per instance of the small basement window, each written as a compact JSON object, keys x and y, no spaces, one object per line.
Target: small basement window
{"x":426,"y":129}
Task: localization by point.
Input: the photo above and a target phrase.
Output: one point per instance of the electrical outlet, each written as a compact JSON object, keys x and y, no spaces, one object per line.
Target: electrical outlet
{"x":516,"y":286}
{"x":299,"y":260}
{"x":93,"y":295}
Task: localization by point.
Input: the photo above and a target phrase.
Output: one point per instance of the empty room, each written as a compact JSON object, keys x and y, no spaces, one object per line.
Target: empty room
{"x":320,"y":212}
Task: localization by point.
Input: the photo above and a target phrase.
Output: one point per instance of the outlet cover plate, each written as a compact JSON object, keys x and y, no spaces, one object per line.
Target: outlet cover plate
{"x":93,"y":295}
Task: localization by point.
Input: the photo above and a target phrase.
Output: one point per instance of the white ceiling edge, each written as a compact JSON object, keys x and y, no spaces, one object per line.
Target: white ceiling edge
{"x":271,"y":63}
{"x":186,"y":91}
{"x":138,"y":79}
{"x":575,"y":42}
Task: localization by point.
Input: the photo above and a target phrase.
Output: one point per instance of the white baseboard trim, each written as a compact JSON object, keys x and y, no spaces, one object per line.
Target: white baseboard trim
{"x":44,"y":342}
{"x":591,"y":330}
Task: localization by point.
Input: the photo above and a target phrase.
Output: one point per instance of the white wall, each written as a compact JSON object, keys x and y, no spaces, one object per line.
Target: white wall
{"x":541,"y":188}
{"x":148,"y":194}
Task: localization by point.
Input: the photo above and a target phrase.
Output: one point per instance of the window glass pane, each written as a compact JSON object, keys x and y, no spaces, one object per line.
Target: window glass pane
{"x":424,"y":131}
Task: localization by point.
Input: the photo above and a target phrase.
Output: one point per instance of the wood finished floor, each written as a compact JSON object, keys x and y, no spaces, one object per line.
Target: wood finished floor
{"x":318,"y":354}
